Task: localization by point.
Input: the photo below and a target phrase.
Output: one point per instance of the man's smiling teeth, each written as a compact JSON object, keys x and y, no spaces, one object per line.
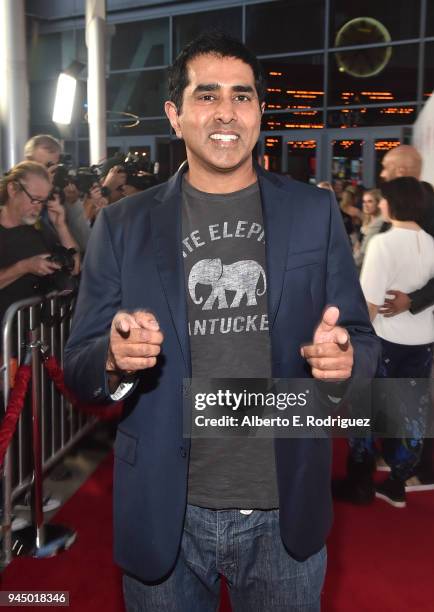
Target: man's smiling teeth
{"x":224,"y":137}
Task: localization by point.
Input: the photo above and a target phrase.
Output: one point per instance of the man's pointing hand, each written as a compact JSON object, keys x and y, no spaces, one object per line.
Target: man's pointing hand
{"x":331,"y":354}
{"x":135,"y":342}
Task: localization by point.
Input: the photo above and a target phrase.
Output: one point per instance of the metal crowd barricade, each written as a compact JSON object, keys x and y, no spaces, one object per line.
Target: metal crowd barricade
{"x":28,"y":326}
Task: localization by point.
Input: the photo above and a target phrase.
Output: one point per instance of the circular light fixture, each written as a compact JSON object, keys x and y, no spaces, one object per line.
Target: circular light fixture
{"x":363,"y":63}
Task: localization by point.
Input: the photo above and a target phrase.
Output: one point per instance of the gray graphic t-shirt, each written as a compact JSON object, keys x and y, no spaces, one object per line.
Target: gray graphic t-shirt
{"x":226,"y":286}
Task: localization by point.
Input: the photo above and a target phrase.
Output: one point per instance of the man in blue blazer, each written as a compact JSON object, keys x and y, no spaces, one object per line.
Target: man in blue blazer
{"x":226,"y":270}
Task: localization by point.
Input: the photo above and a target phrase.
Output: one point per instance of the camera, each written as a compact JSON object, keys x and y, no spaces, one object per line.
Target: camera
{"x":63,"y":257}
{"x":141,"y":173}
{"x":60,"y":280}
{"x":62,"y":175}
{"x":84,"y":178}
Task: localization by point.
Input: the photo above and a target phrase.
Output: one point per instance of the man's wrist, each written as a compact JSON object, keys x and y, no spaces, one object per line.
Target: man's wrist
{"x":60,"y":224}
{"x":114,"y":380}
{"x":22,"y":266}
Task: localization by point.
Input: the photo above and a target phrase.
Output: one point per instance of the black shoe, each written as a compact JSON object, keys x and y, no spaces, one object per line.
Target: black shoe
{"x":392,"y":492}
{"x":358,"y":487}
{"x":358,"y":493}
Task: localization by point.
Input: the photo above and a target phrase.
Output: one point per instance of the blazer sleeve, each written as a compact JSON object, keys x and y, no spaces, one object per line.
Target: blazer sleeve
{"x":422,"y":298}
{"x":98,"y":301}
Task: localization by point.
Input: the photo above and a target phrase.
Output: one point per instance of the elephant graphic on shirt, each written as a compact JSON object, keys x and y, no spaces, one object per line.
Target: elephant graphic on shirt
{"x":242,"y":277}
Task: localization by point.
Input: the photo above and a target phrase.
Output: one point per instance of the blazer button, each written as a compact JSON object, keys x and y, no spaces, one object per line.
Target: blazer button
{"x":182,"y":452}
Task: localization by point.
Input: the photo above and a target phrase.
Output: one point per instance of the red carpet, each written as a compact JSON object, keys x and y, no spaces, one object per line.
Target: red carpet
{"x":380,"y":558}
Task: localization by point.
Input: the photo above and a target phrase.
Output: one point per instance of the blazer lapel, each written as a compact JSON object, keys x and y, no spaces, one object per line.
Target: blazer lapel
{"x":166,"y":220}
{"x":277,"y":213}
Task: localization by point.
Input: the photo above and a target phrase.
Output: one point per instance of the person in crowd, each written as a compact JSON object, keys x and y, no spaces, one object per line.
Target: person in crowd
{"x":76,"y":219}
{"x":401,"y":258}
{"x":144,"y":286}
{"x":114,"y":182}
{"x":28,"y":248}
{"x":44,"y":149}
{"x":353,"y":216}
{"x":403,"y":160}
{"x":47,"y":150}
{"x":25,"y":249}
{"x":372,"y":222}
{"x":338,"y":188}
{"x":357,"y":487}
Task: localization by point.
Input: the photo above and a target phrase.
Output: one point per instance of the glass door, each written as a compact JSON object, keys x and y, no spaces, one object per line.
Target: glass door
{"x":295,"y":153}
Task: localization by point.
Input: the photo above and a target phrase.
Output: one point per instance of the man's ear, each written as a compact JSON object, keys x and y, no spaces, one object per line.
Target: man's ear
{"x":262,"y":106}
{"x":172,"y":115}
{"x":12,"y":189}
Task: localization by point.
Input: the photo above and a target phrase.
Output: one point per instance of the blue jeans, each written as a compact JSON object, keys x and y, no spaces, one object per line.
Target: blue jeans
{"x":248,"y":551}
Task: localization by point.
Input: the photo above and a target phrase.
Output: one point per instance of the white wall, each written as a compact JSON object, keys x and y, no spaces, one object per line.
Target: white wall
{"x":423,"y":139}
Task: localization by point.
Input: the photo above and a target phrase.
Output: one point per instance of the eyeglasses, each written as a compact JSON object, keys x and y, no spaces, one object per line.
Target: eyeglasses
{"x":33,"y":200}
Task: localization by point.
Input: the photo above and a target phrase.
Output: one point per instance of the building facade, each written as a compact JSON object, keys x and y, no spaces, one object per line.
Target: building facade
{"x":345,"y":80}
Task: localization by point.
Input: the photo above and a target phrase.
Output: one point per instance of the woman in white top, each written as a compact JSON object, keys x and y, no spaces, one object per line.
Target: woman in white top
{"x":401,"y":259}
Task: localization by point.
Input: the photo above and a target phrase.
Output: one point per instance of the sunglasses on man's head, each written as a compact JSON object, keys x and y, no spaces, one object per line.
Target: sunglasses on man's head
{"x":33,"y":199}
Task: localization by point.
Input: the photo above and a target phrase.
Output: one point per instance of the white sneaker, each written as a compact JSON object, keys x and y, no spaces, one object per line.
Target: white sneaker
{"x":48,"y":504}
{"x":382,"y":465}
{"x":19,"y":523}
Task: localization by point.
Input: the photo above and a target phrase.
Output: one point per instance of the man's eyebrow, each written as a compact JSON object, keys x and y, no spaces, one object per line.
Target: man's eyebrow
{"x":216,"y":86}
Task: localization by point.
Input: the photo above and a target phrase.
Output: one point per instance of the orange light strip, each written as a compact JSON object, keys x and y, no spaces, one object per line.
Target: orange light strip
{"x":302,"y":91}
{"x":386,"y":145}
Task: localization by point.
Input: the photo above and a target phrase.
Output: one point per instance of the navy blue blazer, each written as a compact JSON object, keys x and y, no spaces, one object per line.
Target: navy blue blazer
{"x":134,"y":260}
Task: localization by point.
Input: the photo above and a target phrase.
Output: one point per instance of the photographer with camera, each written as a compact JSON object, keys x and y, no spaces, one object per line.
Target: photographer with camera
{"x":121,"y":176}
{"x":114,"y":182}
{"x":47,"y":150}
{"x":34,"y":258}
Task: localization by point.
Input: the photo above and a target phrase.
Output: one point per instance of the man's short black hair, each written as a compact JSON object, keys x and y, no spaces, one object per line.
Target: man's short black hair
{"x":407,"y":199}
{"x":216,"y":43}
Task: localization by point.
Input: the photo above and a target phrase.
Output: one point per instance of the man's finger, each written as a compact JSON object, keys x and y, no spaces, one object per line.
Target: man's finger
{"x":392,"y":292}
{"x":329,"y":319}
{"x":134,"y":364}
{"x":123,"y":322}
{"x":148,"y":336}
{"x":146,"y":320}
{"x":325,"y":349}
{"x":143,"y":350}
{"x":331,"y":375}
{"x":328,"y":363}
{"x":385,"y":308}
{"x":341,"y":336}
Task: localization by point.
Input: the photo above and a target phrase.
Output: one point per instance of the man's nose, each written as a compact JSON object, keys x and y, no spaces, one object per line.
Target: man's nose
{"x":225,"y":110}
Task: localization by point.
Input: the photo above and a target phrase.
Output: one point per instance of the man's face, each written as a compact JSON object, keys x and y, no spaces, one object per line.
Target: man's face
{"x":50,"y":159}
{"x":26,"y":207}
{"x":390,"y":167}
{"x":220,"y":117}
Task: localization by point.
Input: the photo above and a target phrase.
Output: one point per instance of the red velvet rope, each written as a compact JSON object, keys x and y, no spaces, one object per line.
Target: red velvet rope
{"x":18,"y":394}
{"x":14,"y":408}
{"x":103,"y":413}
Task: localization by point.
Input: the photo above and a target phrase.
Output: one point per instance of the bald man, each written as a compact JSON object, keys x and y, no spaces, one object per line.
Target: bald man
{"x":404,"y":160}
